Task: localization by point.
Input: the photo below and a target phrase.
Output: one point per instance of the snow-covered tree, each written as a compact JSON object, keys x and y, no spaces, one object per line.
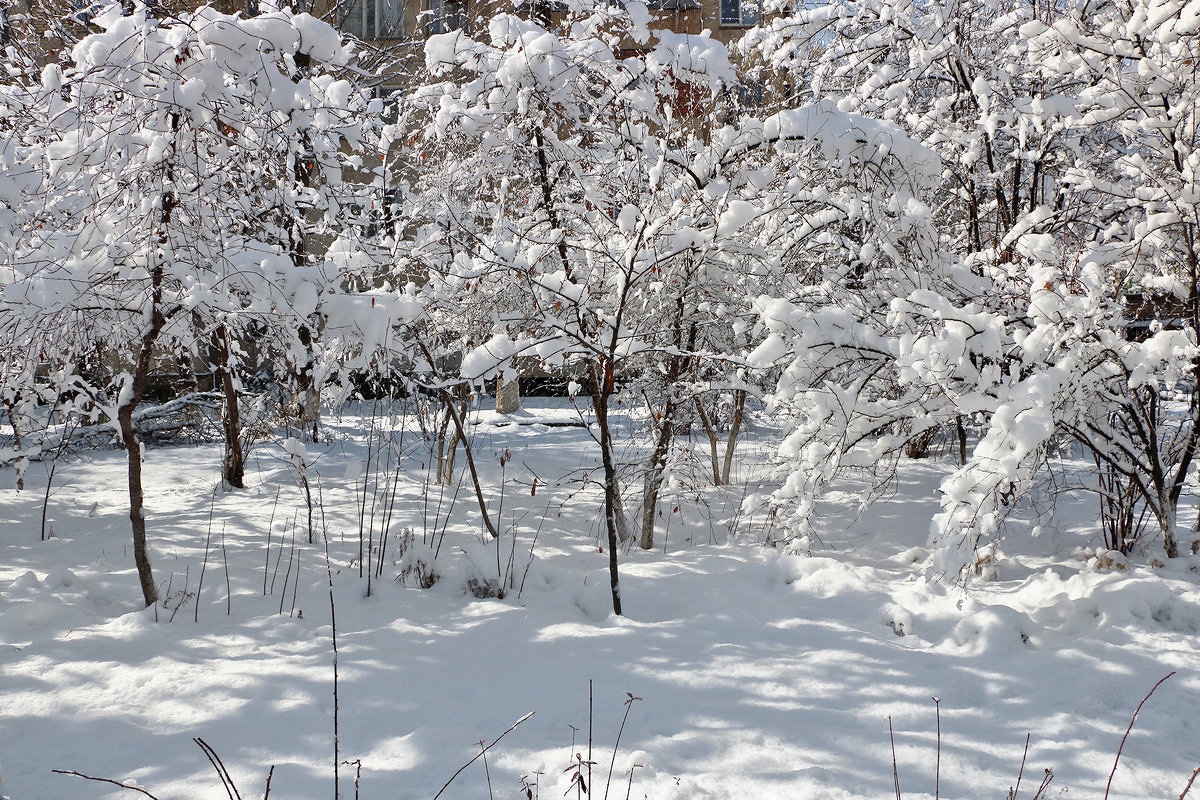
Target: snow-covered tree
{"x":1133,"y":66}
{"x":574,"y":212}
{"x":167,"y":184}
{"x":1064,"y":136}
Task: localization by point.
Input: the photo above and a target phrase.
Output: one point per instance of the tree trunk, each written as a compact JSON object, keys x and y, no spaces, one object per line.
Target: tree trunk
{"x":721,"y":467}
{"x":448,"y":447}
{"x":308,"y":397}
{"x":447,"y":477}
{"x":460,"y":434}
{"x":443,"y":427}
{"x":652,"y":482}
{"x":11,"y":407}
{"x":137,"y":512}
{"x":1166,"y":523}
{"x":1196,"y":535}
{"x":710,"y":430}
{"x":598,"y":380}
{"x":233,"y":463}
{"x":735,"y":428}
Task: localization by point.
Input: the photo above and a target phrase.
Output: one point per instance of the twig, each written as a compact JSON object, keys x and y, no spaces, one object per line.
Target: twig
{"x":1046,"y":781}
{"x":617,"y":743}
{"x":1132,"y":720}
{"x":487,"y":773}
{"x":357,"y":764}
{"x":296,"y":585}
{"x":1021,"y":771}
{"x":204,"y":564}
{"x":270,"y":774}
{"x":1191,"y":780}
{"x":481,"y":752}
{"x":629,"y":788}
{"x":532,"y":545}
{"x":287,"y":576}
{"x":333,"y":630}
{"x":895,"y":768}
{"x":219,"y":766}
{"x":46,"y":499}
{"x":937,"y":768}
{"x":228,"y":588}
{"x":270,"y":524}
{"x":103,"y":780}
{"x":589,"y":732}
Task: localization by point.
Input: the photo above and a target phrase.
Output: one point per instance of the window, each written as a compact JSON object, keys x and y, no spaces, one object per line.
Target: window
{"x":82,"y":11}
{"x":541,"y":11}
{"x":673,"y":5}
{"x":446,"y":15}
{"x":740,"y":13}
{"x":375,"y":19}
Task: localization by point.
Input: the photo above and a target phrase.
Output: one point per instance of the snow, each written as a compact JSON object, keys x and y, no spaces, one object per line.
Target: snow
{"x":697,"y":59}
{"x":757,"y":673}
{"x":736,"y":216}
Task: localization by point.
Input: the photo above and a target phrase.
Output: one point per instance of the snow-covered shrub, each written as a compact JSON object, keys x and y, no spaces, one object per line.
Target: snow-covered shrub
{"x":1066,"y":180}
{"x":416,"y":565}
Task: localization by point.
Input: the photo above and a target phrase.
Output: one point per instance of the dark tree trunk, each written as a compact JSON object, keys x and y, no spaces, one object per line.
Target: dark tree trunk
{"x":600,"y":383}
{"x":133,"y":448}
{"x":233,"y":464}
{"x":460,"y":432}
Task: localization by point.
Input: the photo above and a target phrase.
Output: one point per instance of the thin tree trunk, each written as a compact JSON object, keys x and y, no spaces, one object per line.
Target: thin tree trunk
{"x":447,"y":476}
{"x":141,"y":376}
{"x":461,"y":434}
{"x":710,"y":430}
{"x":448,"y":447}
{"x":722,"y":466}
{"x":133,"y":448}
{"x":735,"y":428}
{"x":1196,"y":534}
{"x":652,"y":483}
{"x":1166,"y":522}
{"x":233,"y":464}
{"x":443,"y":426}
{"x":599,"y":385}
{"x":11,"y":407}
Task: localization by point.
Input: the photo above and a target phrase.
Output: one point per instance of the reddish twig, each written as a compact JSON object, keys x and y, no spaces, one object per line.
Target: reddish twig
{"x":616,"y":744}
{"x":103,"y":780}
{"x":1021,"y":771}
{"x":481,"y":752}
{"x":1191,"y":780}
{"x":1132,"y":720}
{"x":895,"y":768}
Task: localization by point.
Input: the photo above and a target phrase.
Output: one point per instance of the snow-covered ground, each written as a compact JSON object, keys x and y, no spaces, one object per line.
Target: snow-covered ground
{"x":755,"y":674}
